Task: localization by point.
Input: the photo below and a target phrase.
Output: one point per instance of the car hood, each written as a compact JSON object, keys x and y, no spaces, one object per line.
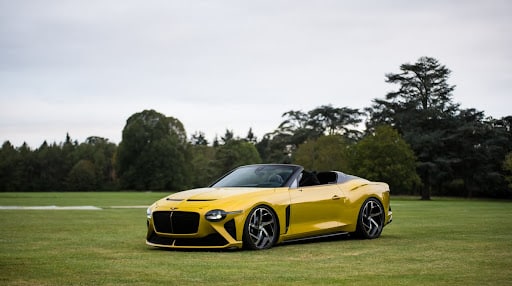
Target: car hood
{"x":205,"y":197}
{"x":212,"y":194}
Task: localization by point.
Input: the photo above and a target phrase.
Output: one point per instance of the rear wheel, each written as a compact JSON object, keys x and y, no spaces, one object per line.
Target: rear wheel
{"x":371,"y":219}
{"x":261,"y":228}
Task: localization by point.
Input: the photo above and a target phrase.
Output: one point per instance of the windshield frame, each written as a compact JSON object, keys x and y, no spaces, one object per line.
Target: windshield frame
{"x":257,"y":176}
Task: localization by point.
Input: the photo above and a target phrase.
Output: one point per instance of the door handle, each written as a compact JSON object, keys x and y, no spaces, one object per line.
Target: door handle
{"x":335,"y":197}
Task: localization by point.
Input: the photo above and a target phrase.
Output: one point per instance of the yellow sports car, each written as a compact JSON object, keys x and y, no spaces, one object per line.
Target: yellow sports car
{"x":258,"y":206}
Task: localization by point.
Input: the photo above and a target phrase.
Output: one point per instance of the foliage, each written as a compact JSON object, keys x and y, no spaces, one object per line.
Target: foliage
{"x":323,"y":154}
{"x":100,"y":153}
{"x":476,"y":146}
{"x":58,"y":167}
{"x":203,"y":164}
{"x":153,"y":153}
{"x":251,"y":137}
{"x":82,"y":177}
{"x":421,"y":110}
{"x":234,"y":153}
{"x":10,"y":171}
{"x":384,"y":156}
{"x":228,"y":136}
{"x":199,"y":138}
{"x":275,"y":148}
{"x":458,"y":151}
{"x":330,"y":120}
{"x":299,"y":127}
{"x":507,"y":166}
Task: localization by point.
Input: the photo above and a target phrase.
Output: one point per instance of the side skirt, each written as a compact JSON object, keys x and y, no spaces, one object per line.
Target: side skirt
{"x":316,"y":237}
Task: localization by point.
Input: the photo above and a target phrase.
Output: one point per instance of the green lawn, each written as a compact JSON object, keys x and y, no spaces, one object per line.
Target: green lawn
{"x":439,"y":242}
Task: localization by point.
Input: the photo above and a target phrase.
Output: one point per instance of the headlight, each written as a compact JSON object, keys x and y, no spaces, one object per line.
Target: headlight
{"x":148,"y":212}
{"x":218,"y":215}
{"x":215,"y":215}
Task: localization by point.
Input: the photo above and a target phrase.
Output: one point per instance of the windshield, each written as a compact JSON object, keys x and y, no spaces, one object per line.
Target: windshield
{"x":262,"y":176}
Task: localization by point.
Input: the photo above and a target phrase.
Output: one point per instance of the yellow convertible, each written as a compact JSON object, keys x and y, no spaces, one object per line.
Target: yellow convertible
{"x":258,"y":206}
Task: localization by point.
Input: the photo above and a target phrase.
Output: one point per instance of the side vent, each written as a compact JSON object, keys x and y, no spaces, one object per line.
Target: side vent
{"x":287,"y":218}
{"x":231,"y":228}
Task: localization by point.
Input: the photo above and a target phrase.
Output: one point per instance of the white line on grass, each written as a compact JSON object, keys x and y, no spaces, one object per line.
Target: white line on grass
{"x":87,"y":208}
{"x":79,"y":208}
{"x":128,"y":207}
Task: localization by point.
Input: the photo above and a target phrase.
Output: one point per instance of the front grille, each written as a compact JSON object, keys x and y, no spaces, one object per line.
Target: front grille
{"x":176,"y":222}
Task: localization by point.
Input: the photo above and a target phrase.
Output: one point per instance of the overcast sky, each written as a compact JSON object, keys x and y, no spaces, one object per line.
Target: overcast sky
{"x":84,"y":67}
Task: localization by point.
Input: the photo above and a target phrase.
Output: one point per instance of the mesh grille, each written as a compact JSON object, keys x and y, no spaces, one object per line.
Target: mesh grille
{"x":176,"y":222}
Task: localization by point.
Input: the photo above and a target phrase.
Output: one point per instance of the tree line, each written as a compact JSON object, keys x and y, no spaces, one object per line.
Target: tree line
{"x":415,"y":138}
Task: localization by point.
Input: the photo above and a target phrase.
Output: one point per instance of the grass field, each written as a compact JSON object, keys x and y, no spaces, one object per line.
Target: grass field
{"x":439,"y":242}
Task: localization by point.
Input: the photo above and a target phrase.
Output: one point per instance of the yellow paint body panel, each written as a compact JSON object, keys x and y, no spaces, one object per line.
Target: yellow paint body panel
{"x":301,"y":212}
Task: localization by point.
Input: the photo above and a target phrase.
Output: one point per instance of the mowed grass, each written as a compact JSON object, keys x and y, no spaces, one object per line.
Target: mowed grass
{"x":439,"y":242}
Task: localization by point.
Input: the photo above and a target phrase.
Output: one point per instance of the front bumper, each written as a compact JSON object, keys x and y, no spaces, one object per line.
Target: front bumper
{"x":171,"y":229}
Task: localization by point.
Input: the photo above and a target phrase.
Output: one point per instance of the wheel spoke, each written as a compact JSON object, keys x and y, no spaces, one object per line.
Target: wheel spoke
{"x":261,"y":228}
{"x":372,"y":218}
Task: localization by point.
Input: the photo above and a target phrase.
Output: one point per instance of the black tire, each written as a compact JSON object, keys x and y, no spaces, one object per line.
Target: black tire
{"x":370,"y":221}
{"x":261,"y":229}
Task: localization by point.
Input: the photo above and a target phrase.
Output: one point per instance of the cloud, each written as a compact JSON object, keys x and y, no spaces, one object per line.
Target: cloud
{"x":84,"y":67}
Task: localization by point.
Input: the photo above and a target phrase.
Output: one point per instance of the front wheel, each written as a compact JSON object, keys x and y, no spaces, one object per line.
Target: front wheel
{"x":371,"y":219}
{"x":261,"y":228}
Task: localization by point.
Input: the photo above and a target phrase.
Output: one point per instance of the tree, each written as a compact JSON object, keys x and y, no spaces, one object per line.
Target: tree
{"x":384,"y":156}
{"x":235,"y":153}
{"x":9,"y":168}
{"x":100,"y":153}
{"x":423,"y":91}
{"x":251,"y":137}
{"x":203,"y":164}
{"x":422,"y":111}
{"x":295,"y":128}
{"x":27,"y":174}
{"x":198,"y":138}
{"x":323,"y":154}
{"x":275,"y":148}
{"x":153,"y":153}
{"x":329,"y":120}
{"x":51,"y":168}
{"x":82,"y":177}
{"x":473,"y":148}
{"x":507,"y":166}
{"x":228,"y":136}
{"x":278,"y":146}
{"x":299,"y":127}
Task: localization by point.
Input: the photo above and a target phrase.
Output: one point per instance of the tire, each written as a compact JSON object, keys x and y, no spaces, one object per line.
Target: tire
{"x":261,"y":229}
{"x":370,"y":221}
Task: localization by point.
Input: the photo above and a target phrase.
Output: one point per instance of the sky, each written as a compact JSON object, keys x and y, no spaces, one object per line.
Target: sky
{"x":84,"y":67}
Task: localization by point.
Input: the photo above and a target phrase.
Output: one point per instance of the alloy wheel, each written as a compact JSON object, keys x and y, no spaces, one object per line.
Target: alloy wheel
{"x":261,"y":228}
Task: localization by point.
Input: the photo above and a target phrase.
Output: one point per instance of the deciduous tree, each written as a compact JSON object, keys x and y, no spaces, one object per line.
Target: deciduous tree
{"x":153,"y":153}
{"x":235,"y":153}
{"x":384,"y":156}
{"x":325,"y":153}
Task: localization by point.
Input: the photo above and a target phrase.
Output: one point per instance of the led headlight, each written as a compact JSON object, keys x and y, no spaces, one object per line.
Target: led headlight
{"x":215,"y":215}
{"x":148,"y":212}
{"x":218,"y":215}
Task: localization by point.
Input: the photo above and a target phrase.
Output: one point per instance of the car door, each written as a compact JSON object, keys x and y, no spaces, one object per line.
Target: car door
{"x":316,"y":209}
